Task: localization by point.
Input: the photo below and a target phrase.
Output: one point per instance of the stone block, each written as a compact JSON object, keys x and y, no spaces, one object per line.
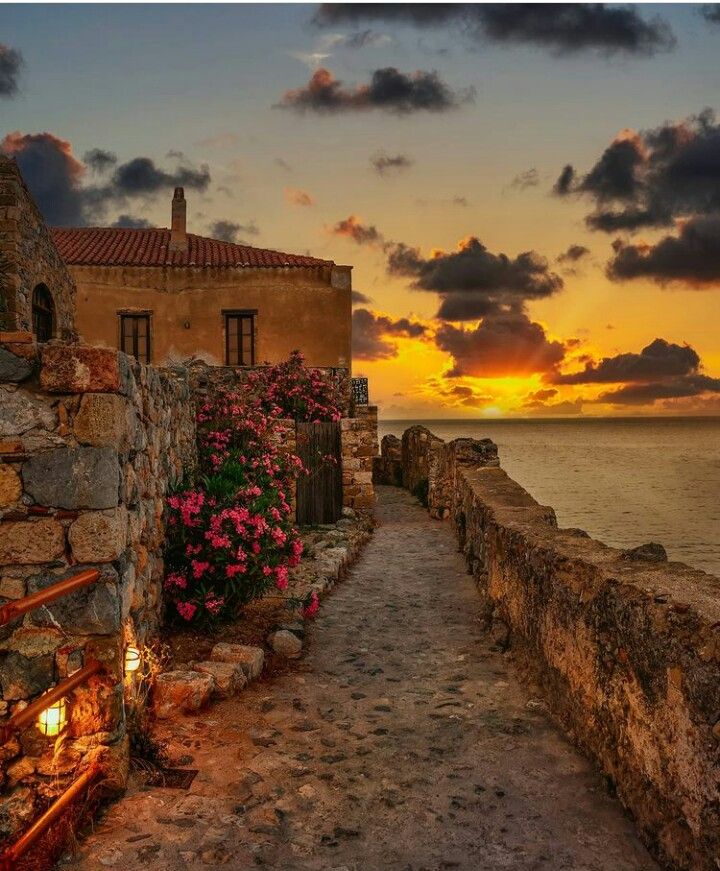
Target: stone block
{"x":10,"y":486}
{"x":80,"y":369}
{"x":83,"y":477}
{"x":228,"y":676}
{"x":249,"y":658}
{"x":91,"y":610}
{"x":99,"y":536}
{"x":23,"y":677}
{"x":105,"y":420}
{"x":12,"y":588}
{"x":181,"y":691}
{"x":285,"y":644}
{"x":17,"y":811}
{"x":21,"y":412}
{"x":14,"y":367}
{"x":28,"y":542}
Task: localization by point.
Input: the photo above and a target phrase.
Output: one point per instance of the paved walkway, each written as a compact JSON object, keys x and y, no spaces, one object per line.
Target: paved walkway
{"x":402,"y":742}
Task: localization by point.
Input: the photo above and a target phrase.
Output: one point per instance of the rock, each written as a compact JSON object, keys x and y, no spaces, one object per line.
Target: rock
{"x":91,"y":610}
{"x":249,"y":658}
{"x":20,"y":412}
{"x":331,"y":561}
{"x":12,"y":588}
{"x":10,"y":486}
{"x":13,"y":367}
{"x":29,"y":542}
{"x":184,"y":691}
{"x":74,"y":478}
{"x":650,"y":552}
{"x":349,"y":512}
{"x":285,"y":644}
{"x":99,"y":536}
{"x":20,"y":770}
{"x":80,"y":369}
{"x":105,"y":420}
{"x":229,"y":677}
{"x":17,"y":811}
{"x":22,"y":677}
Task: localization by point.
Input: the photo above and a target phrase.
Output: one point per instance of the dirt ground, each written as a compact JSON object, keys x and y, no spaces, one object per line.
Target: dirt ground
{"x":399,"y":741}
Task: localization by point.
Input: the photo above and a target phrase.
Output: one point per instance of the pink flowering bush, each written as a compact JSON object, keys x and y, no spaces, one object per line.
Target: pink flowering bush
{"x":230,"y":534}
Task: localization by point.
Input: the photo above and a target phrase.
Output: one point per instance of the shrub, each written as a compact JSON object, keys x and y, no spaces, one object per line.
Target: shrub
{"x":230,"y":534}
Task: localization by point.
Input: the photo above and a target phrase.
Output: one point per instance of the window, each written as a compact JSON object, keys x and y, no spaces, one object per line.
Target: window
{"x":43,"y":313}
{"x":240,"y":338}
{"x":135,"y":335}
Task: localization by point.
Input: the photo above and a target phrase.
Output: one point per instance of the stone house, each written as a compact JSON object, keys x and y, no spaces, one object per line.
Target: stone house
{"x":168,"y":295}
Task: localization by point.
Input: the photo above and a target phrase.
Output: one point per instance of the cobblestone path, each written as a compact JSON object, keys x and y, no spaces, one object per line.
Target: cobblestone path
{"x":401,"y":742}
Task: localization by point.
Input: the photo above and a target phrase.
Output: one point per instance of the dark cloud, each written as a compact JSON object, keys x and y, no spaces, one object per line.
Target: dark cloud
{"x":555,"y":409}
{"x":652,"y":178}
{"x":658,"y":360}
{"x":359,"y":298}
{"x":474,"y":282}
{"x":387,"y":164}
{"x":229,"y":231}
{"x":99,"y":160}
{"x":565,"y":181}
{"x":711,"y":12}
{"x":142,"y":177}
{"x":365,"y":39}
{"x":691,"y":258}
{"x":373,"y":334}
{"x":364,"y":234}
{"x":11,"y":63}
{"x":389,"y":90}
{"x":132,"y":223}
{"x":298,"y":197}
{"x":283,"y":164}
{"x":573,"y":254}
{"x":561,"y":28}
{"x":55,"y":177}
{"x":53,"y":174}
{"x":646,"y":394}
{"x":504,"y":344}
{"x":530,"y":178}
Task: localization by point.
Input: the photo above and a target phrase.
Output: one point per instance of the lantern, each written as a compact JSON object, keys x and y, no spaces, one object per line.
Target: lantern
{"x":132,"y":659}
{"x":53,"y":719}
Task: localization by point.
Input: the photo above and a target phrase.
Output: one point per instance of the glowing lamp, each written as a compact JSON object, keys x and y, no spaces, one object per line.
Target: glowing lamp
{"x":53,"y":719}
{"x":132,"y":659}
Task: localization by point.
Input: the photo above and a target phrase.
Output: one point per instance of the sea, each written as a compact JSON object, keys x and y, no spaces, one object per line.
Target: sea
{"x":626,"y":481}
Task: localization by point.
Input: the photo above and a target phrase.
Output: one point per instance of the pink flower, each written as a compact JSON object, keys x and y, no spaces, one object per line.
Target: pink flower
{"x":281,"y":577}
{"x":311,"y":608}
{"x":175,"y":581}
{"x":199,"y":568}
{"x":186,"y":610}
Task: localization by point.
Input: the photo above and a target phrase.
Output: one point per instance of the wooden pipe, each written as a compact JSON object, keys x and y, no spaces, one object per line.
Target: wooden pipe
{"x":10,"y":610}
{"x":10,"y":856}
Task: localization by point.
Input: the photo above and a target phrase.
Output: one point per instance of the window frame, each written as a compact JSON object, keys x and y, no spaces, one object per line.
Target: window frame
{"x":46,"y":312}
{"x":135,"y":316}
{"x":240,"y":314}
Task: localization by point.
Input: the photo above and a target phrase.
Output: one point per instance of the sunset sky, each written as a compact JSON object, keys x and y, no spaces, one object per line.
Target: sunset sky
{"x":530,"y":196}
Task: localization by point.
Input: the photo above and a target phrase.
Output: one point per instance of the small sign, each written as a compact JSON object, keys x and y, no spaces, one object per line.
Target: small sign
{"x":360,"y":391}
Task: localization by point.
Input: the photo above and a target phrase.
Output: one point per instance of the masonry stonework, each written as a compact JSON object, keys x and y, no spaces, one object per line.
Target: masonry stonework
{"x":626,"y":649}
{"x":358,"y":440}
{"x":28,"y":258}
{"x":90,"y":442}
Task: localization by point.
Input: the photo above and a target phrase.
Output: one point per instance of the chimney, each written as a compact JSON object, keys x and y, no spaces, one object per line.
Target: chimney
{"x":178,"y":228}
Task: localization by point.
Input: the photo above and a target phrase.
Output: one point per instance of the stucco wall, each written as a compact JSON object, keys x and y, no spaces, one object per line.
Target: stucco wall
{"x":627,"y":649}
{"x":90,"y":441}
{"x":297,"y":308}
{"x":30,"y":258}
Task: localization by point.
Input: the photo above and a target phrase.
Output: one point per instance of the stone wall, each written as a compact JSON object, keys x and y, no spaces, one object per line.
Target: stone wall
{"x":90,"y":441}
{"x":626,"y":647}
{"x":358,"y":444}
{"x":28,"y":257}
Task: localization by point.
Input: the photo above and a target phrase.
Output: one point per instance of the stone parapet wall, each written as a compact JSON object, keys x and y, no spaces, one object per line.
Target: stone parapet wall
{"x":28,"y":257}
{"x":358,"y":444}
{"x":90,"y":442}
{"x":626,"y":649}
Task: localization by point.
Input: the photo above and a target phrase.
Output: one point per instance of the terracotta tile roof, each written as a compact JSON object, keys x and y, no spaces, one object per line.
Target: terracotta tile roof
{"x":92,"y":246}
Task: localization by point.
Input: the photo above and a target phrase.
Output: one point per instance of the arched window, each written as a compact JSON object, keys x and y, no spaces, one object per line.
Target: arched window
{"x":43,"y":313}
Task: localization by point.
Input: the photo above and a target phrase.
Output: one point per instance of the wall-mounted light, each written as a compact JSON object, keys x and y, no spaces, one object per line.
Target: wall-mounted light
{"x":187,"y":325}
{"x":53,"y":719}
{"x":132,"y":659}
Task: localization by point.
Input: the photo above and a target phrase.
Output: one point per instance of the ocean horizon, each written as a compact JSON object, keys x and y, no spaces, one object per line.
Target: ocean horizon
{"x":625,"y":480}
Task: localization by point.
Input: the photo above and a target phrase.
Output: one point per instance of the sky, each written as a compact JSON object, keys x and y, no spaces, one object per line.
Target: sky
{"x":529,"y":195}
